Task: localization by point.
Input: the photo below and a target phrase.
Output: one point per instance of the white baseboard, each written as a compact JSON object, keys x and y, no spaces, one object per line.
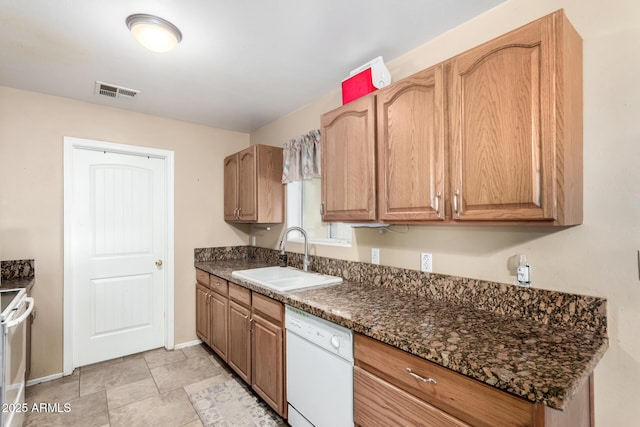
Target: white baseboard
{"x":187,"y":344}
{"x":44,"y":379}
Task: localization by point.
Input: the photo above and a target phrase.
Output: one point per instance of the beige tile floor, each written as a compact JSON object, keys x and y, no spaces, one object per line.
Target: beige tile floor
{"x":145,"y":389}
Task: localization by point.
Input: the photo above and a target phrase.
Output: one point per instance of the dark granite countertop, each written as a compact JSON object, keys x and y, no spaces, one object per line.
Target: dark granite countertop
{"x":539,"y":362}
{"x":18,"y":283}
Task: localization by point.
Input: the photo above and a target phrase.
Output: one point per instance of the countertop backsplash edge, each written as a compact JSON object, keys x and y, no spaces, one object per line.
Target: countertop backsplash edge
{"x":580,"y":312}
{"x":17,"y":269}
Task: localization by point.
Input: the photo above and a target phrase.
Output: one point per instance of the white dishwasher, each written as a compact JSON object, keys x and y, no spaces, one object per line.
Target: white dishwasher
{"x":319,"y":371}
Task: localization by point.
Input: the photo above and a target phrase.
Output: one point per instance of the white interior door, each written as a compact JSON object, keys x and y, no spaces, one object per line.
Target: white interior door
{"x":119,"y":245}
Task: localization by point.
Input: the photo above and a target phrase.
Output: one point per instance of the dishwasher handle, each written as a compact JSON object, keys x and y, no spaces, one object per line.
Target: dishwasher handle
{"x":15,"y":322}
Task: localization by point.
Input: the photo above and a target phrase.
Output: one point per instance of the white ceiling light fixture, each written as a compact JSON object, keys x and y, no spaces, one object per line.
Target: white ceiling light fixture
{"x":154,"y":33}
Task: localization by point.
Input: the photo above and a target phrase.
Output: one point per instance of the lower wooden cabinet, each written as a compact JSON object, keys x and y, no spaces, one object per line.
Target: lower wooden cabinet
{"x":379,"y":403}
{"x":240,"y":340}
{"x":202,"y":312}
{"x":392,"y":387}
{"x":268,"y":351}
{"x":212,"y":312}
{"x":246,"y":330}
{"x":218,"y":323}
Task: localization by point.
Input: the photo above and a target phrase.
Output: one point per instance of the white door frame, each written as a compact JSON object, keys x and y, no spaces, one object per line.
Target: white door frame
{"x":70,"y":144}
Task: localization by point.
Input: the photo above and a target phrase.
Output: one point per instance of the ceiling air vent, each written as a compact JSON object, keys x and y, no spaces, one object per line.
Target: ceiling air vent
{"x":113,"y":91}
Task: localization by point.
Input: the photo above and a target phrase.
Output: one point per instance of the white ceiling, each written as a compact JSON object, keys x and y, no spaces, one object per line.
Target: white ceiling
{"x":240,"y":65}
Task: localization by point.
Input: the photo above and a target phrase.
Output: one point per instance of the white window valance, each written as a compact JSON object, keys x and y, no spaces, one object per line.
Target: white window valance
{"x":301,"y":158}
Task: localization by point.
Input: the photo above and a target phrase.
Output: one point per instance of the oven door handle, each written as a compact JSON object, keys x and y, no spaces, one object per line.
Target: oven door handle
{"x":26,"y":314}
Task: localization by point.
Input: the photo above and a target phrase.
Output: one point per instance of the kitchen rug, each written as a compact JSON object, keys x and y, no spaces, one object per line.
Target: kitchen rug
{"x":231,"y":404}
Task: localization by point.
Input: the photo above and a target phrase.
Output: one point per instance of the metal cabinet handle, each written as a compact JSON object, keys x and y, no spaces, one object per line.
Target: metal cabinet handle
{"x":239,"y":210}
{"x":321,"y":208}
{"x":437,"y":204}
{"x":419,"y":378}
{"x":456,"y":194}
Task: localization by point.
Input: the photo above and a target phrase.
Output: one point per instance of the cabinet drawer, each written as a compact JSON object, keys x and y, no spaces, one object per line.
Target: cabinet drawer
{"x":269,"y":307}
{"x":202,"y":277}
{"x":467,"y":399}
{"x":218,"y":285}
{"x":239,"y":294}
{"x":378,"y":403}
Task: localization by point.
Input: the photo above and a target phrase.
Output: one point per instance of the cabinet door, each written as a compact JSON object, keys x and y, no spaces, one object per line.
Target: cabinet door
{"x":410,"y":119}
{"x":239,"y":350}
{"x":466,"y":399}
{"x":502,"y":146}
{"x":247,"y":196}
{"x":270,"y":190}
{"x":202,"y":313}
{"x":267,"y":374}
{"x":218,"y":306}
{"x":378,"y":403}
{"x":230,"y":187}
{"x":348,"y":162}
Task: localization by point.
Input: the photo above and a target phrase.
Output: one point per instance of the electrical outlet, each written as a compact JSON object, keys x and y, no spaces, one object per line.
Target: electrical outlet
{"x":426,"y":262}
{"x":375,"y":256}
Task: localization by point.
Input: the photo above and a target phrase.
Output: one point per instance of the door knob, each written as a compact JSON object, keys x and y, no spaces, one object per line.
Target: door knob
{"x":159,"y":263}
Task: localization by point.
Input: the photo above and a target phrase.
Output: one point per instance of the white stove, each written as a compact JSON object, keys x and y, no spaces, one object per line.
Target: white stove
{"x":15,"y":308}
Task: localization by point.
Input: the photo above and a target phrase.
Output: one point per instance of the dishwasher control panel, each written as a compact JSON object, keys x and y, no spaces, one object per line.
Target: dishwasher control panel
{"x":327,"y":335}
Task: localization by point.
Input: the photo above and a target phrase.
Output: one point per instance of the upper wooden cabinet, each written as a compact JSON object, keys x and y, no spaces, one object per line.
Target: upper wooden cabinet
{"x":348,"y":162}
{"x":253,"y":190}
{"x":515,"y":108}
{"x":493,"y":135}
{"x":410,"y":118}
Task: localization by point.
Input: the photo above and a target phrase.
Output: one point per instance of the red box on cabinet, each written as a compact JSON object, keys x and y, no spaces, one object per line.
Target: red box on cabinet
{"x":357,"y":85}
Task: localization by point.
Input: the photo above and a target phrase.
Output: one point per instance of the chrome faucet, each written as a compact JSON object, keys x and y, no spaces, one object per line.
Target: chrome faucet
{"x":305,"y":262}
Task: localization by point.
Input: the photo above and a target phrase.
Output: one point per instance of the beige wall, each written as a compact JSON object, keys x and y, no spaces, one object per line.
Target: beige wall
{"x":596,"y":258}
{"x":32,"y":127}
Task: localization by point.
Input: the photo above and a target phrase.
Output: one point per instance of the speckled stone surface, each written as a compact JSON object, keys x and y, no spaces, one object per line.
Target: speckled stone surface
{"x":17,"y":283}
{"x":17,"y":274}
{"x":17,"y":269}
{"x":516,"y":348}
{"x":548,"y":307}
{"x":541,"y":363}
{"x":221,"y":253}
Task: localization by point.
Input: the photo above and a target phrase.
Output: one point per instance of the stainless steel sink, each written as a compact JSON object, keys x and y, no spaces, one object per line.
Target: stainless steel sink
{"x":285,"y":278}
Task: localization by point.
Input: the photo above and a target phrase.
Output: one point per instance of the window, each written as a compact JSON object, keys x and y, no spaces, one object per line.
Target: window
{"x":303,"y":210}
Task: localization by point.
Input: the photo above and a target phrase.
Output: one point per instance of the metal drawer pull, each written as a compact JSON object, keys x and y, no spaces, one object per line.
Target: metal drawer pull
{"x":456,"y":210}
{"x":419,"y":378}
